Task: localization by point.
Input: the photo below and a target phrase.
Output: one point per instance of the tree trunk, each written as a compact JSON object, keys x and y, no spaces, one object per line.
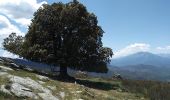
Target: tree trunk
{"x":63,"y":70}
{"x":63,"y":73}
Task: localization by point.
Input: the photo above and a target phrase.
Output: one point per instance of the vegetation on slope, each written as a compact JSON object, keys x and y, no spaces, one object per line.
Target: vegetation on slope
{"x":86,"y":88}
{"x":150,"y":89}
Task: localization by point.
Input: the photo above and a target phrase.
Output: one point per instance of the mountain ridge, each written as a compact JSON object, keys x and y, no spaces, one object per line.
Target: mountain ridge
{"x":142,"y":66}
{"x":145,"y":58}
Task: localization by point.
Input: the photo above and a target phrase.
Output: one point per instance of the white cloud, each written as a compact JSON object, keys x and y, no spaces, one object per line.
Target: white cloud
{"x":24,"y":21}
{"x":132,"y":48}
{"x":21,"y":11}
{"x":8,"y":54}
{"x":165,"y":49}
{"x":6,"y":27}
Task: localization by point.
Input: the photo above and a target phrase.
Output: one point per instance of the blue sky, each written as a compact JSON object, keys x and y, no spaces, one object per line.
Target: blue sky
{"x":130,"y":25}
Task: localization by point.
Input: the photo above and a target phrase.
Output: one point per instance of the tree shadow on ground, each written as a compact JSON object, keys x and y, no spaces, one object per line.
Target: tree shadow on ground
{"x":89,"y":83}
{"x":85,"y":82}
{"x":97,"y":85}
{"x":70,"y":79}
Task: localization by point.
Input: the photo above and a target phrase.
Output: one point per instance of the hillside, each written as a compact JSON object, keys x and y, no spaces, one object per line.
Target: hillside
{"x":20,"y":83}
{"x":142,"y":66}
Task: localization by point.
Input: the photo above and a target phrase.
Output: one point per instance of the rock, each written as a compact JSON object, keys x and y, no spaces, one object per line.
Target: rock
{"x":22,"y":91}
{"x":3,"y":89}
{"x":7,"y":60}
{"x":119,"y":90}
{"x":117,"y":76}
{"x":62,"y":94}
{"x":1,"y":60}
{"x":45,"y":93}
{"x":81,"y":74}
{"x":29,"y":69}
{"x":82,"y":86}
{"x":14,"y":65}
{"x":41,"y":82}
{"x":3,"y":68}
{"x":78,"y":99}
{"x":51,"y":87}
{"x":3,"y":73}
{"x":29,"y":83}
{"x":78,"y":91}
{"x":42,"y":77}
{"x":46,"y":96}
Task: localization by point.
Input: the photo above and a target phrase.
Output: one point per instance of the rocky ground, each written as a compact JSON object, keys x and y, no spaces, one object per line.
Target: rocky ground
{"x":19,"y":84}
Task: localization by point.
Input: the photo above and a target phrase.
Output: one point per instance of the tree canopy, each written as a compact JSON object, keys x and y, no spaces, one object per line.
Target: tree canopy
{"x":13,"y":43}
{"x":63,"y":34}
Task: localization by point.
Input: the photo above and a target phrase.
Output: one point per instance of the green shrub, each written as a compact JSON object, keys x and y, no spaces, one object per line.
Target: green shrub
{"x":159,"y":92}
{"x":150,"y":89}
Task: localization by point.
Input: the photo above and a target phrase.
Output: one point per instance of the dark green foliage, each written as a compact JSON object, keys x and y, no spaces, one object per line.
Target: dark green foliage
{"x":13,"y":43}
{"x":66,"y":35}
{"x":151,"y":89}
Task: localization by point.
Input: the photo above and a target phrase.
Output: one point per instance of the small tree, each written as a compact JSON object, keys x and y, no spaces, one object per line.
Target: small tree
{"x":13,"y":43}
{"x":66,"y":35}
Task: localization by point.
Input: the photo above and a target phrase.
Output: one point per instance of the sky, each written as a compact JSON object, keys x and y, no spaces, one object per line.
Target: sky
{"x":130,"y":25}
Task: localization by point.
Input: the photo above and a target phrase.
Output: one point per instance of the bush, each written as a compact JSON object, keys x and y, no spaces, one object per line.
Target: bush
{"x":159,"y":92}
{"x":81,"y":74}
{"x":150,"y":89}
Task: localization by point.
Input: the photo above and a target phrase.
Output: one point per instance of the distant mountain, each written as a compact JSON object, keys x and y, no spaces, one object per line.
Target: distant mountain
{"x":144,"y":58}
{"x":164,"y":55}
{"x":142,"y":72}
{"x":142,"y":66}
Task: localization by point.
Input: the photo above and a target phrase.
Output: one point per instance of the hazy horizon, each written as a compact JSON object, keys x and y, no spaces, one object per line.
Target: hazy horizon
{"x":130,"y":26}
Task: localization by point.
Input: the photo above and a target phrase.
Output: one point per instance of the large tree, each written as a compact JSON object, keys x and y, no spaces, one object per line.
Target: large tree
{"x":66,"y":35}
